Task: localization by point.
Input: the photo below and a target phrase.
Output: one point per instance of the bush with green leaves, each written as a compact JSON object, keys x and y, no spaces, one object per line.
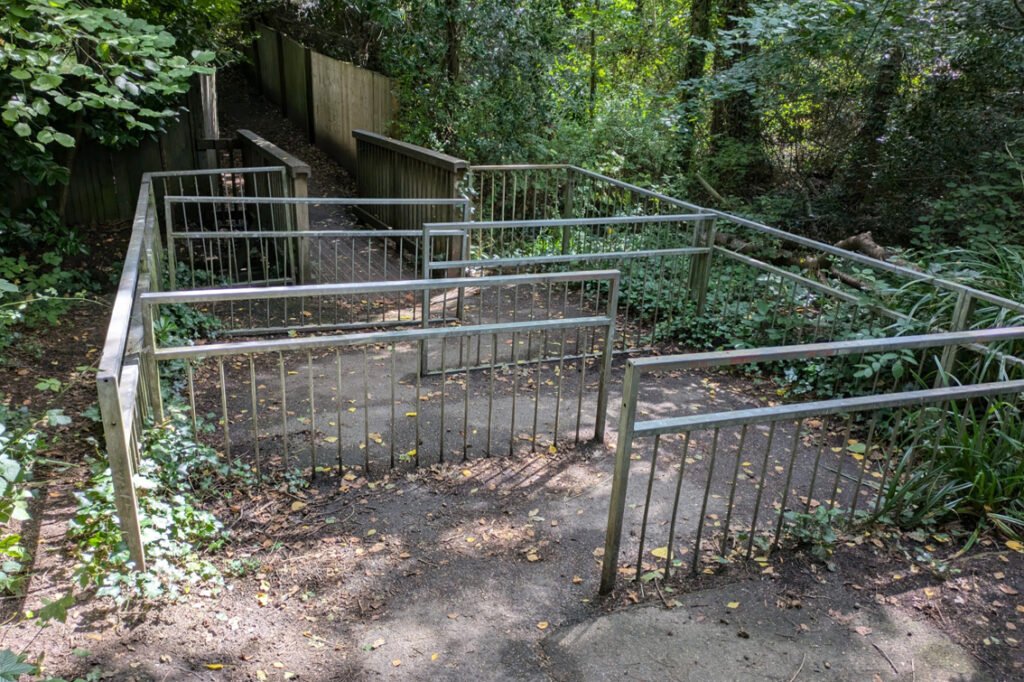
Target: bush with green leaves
{"x":961,"y":462}
{"x":69,"y":71}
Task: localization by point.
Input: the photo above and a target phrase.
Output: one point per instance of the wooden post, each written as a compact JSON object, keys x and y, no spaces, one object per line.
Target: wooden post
{"x":116,"y":434}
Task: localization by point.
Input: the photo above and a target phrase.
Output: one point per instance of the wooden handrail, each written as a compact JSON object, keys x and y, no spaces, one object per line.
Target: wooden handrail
{"x":429,"y":156}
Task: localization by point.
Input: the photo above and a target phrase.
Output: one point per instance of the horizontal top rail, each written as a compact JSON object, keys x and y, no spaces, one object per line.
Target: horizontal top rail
{"x":439,"y":159}
{"x":821,"y":350}
{"x":404,"y":335}
{"x":306,"y":234}
{"x":112,"y":358}
{"x":213,"y":171}
{"x":521,"y":167}
{"x":315,"y":201}
{"x":353,"y":288}
{"x":570,"y":257}
{"x":718,"y":420}
{"x":575,"y":222}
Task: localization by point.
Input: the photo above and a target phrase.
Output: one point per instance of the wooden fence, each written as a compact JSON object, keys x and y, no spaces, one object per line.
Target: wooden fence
{"x":328,"y":98}
{"x":105,"y":182}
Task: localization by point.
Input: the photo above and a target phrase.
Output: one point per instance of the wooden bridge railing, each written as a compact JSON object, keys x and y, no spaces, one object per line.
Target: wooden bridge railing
{"x":390,"y":168}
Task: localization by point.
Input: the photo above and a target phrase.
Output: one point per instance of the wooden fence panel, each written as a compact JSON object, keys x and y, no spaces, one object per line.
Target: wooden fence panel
{"x":296,"y":82}
{"x":105,"y":182}
{"x":347,"y":98}
{"x":269,"y":63}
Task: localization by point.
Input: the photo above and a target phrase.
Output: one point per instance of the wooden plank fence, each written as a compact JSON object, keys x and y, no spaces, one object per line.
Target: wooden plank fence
{"x":105,"y":182}
{"x":328,"y":98}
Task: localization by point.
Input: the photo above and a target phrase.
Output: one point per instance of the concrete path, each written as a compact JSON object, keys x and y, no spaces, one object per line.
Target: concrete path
{"x":738,"y":633}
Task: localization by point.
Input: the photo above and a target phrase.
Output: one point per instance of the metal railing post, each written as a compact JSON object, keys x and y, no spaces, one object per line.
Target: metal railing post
{"x":958,"y":322}
{"x":620,"y":480}
{"x":121,"y":468}
{"x":606,"y":361}
{"x":700,"y":269}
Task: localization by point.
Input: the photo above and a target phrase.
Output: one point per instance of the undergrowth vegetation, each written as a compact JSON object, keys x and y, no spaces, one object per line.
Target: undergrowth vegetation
{"x":175,"y":477}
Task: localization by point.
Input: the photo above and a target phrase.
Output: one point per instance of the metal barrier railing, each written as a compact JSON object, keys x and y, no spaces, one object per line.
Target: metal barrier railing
{"x":779,"y":453}
{"x":231,"y":241}
{"x":812,"y":292}
{"x":483,"y":403}
{"x":127,"y":381}
{"x":656,"y":269}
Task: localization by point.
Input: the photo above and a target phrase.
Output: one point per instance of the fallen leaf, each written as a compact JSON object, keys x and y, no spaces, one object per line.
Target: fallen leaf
{"x":1006,"y":589}
{"x":298,"y":506}
{"x":576,"y":580}
{"x":732,"y":605}
{"x":434,"y":657}
{"x":660,"y":552}
{"x":378,"y":643}
{"x":863,"y":630}
{"x":467,"y":473}
{"x":396,"y":663}
{"x":214,"y":666}
{"x":543,"y":625}
{"x":1015,"y":545}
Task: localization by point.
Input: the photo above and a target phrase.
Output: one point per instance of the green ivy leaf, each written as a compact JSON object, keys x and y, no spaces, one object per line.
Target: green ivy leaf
{"x":46,"y":82}
{"x":22,"y":129}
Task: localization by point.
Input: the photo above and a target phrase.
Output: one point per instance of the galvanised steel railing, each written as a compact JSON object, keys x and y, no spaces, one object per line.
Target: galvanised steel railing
{"x":656,"y":268}
{"x":735,"y":473}
{"x":232,"y":241}
{"x":127,"y":382}
{"x":404,"y":411}
{"x":779,"y":287}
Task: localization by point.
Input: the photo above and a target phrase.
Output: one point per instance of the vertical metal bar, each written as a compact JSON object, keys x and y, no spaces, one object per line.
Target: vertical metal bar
{"x":704,"y":503}
{"x":760,"y":488}
{"x":606,"y":360}
{"x":647,"y":507}
{"x":620,"y":480}
{"x":312,"y":416}
{"x":670,"y":554}
{"x":255,"y":418}
{"x":394,"y":432}
{"x":284,"y":407}
{"x":863,"y":466}
{"x":366,"y":410}
{"x":337,"y":423}
{"x":732,"y":489}
{"x":191,"y":397}
{"x":789,"y":480}
{"x":839,"y":468}
{"x":224,"y":407}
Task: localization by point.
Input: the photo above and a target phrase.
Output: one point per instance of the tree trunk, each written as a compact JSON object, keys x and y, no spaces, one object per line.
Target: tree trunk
{"x":867,"y":147}
{"x":453,"y":38}
{"x":734,"y":118}
{"x":693,"y":68}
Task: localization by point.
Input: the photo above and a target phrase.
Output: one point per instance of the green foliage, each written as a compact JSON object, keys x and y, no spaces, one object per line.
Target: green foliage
{"x":961,"y":463}
{"x":816,"y":530}
{"x":986,"y":205}
{"x":68,"y":71}
{"x":175,"y":475}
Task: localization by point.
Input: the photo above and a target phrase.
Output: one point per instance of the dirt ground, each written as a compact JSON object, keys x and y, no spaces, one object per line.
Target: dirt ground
{"x":456,"y":571}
